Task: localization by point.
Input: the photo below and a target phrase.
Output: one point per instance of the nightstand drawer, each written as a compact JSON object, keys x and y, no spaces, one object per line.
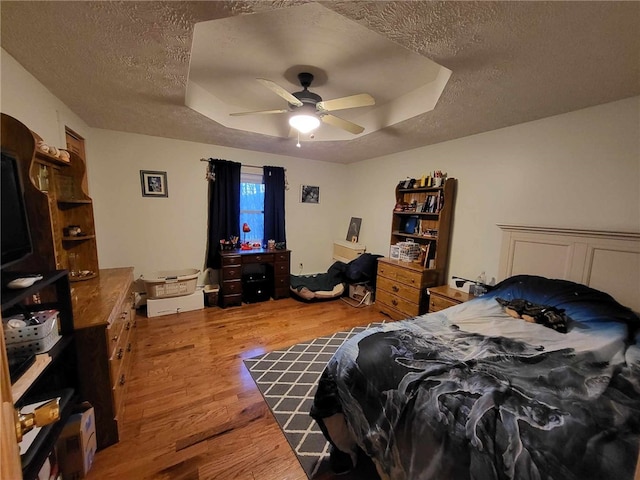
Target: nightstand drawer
{"x":444,"y":297}
{"x":438,"y":303}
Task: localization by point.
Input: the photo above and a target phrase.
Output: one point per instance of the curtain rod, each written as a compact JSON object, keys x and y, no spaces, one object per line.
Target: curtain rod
{"x":242,"y":164}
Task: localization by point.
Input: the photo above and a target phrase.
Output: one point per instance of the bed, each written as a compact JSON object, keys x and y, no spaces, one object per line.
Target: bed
{"x":474,"y":392}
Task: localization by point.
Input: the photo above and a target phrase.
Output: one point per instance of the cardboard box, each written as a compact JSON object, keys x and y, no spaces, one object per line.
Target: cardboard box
{"x":166,"y":306}
{"x":361,"y":294}
{"x":77,"y":445}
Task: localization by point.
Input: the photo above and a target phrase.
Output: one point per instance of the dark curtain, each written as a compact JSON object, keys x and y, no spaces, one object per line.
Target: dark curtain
{"x":224,"y":206}
{"x":274,"y":184}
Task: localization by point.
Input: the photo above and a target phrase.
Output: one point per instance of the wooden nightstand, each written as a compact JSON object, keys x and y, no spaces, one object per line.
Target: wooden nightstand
{"x":444,"y":297}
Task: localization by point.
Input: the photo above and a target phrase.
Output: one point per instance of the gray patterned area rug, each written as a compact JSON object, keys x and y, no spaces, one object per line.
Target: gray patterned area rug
{"x":288,"y":380}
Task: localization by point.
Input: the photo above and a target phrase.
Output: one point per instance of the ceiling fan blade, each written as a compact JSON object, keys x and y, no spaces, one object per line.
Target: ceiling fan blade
{"x":353,"y":101}
{"x":342,"y":123}
{"x":277,"y":89}
{"x":260,"y":112}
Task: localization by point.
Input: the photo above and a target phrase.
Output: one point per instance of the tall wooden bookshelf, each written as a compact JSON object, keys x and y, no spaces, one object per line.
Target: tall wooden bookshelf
{"x":422,"y":215}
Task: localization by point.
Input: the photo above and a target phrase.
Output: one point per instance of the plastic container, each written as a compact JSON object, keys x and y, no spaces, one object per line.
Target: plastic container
{"x":33,"y":339}
{"x":409,"y":251}
{"x":211,"y":295}
{"x":170,"y":283}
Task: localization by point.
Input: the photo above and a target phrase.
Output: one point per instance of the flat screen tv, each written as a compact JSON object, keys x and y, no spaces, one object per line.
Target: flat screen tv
{"x":14,"y":224}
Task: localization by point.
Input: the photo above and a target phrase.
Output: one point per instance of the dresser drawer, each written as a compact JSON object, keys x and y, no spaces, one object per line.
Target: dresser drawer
{"x":410,"y":309}
{"x":120,"y":385}
{"x":409,"y":293}
{"x":282,"y":281}
{"x":231,"y":287}
{"x":280,"y":268}
{"x":229,"y":300}
{"x":260,"y":258}
{"x":400,"y":274}
{"x":281,"y":292}
{"x":116,"y":360}
{"x":282,"y":256}
{"x":231,"y":273}
{"x":116,"y":329}
{"x":437,"y":303}
{"x":230,"y":260}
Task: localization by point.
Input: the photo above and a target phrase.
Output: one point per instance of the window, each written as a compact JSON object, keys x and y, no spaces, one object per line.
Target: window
{"x":252,"y":207}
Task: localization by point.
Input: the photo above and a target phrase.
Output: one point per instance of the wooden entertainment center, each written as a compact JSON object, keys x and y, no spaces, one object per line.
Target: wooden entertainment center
{"x":91,"y":361}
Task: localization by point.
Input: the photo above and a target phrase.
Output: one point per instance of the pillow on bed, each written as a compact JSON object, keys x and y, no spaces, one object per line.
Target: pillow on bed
{"x":579,"y":302}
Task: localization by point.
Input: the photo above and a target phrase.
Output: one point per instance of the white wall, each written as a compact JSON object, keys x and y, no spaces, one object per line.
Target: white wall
{"x":170,"y":233}
{"x":580,"y":170}
{"x":26,"y":99}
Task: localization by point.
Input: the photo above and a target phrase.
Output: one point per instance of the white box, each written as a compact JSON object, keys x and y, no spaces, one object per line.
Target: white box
{"x":344,"y":251}
{"x":461,"y":284}
{"x":166,"y":306}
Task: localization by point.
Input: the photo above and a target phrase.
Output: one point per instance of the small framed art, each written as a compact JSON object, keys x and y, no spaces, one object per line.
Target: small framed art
{"x":154,"y":184}
{"x":309,"y":194}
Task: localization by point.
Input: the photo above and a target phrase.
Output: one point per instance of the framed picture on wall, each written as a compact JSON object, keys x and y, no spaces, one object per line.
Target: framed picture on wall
{"x":154,"y":184}
{"x":309,"y":194}
{"x":354,"y":229}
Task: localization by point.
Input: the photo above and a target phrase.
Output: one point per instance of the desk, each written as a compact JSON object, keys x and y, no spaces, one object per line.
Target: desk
{"x":235,"y":261}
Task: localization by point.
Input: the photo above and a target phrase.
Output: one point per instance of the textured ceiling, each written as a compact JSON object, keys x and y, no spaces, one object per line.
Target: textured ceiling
{"x":124,"y":65}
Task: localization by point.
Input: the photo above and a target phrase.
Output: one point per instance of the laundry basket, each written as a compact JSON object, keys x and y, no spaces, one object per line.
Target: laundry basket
{"x":170,"y":283}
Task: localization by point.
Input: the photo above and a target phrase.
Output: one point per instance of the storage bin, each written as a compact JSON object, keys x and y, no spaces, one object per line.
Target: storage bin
{"x":211,"y":295}
{"x":33,"y":339}
{"x":170,"y":283}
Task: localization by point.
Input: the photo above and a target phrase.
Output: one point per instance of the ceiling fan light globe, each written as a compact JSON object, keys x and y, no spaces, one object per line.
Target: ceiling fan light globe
{"x":304,"y":123}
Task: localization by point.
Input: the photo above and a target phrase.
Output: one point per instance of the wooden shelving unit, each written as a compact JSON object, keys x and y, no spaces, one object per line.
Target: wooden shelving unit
{"x":423,"y":216}
{"x":54,"y":373}
{"x":56,"y":197}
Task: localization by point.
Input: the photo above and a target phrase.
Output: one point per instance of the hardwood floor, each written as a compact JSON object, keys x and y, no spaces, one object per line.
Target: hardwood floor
{"x":193,"y":412}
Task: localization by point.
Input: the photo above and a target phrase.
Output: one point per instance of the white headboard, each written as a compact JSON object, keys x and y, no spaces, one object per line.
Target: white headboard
{"x":606,"y":261}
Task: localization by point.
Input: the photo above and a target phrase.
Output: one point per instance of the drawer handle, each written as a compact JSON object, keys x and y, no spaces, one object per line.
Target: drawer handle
{"x":128,"y":347}
{"x":122,"y":380}
{"x":120,"y":353}
{"x":123,"y":315}
{"x":128,"y":326}
{"x":115,"y":338}
{"x":395,"y":288}
{"x":394,"y":302}
{"x":413,"y":280}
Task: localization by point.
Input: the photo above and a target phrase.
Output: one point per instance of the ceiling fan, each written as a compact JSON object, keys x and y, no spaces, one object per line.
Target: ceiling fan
{"x":308,"y":109}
